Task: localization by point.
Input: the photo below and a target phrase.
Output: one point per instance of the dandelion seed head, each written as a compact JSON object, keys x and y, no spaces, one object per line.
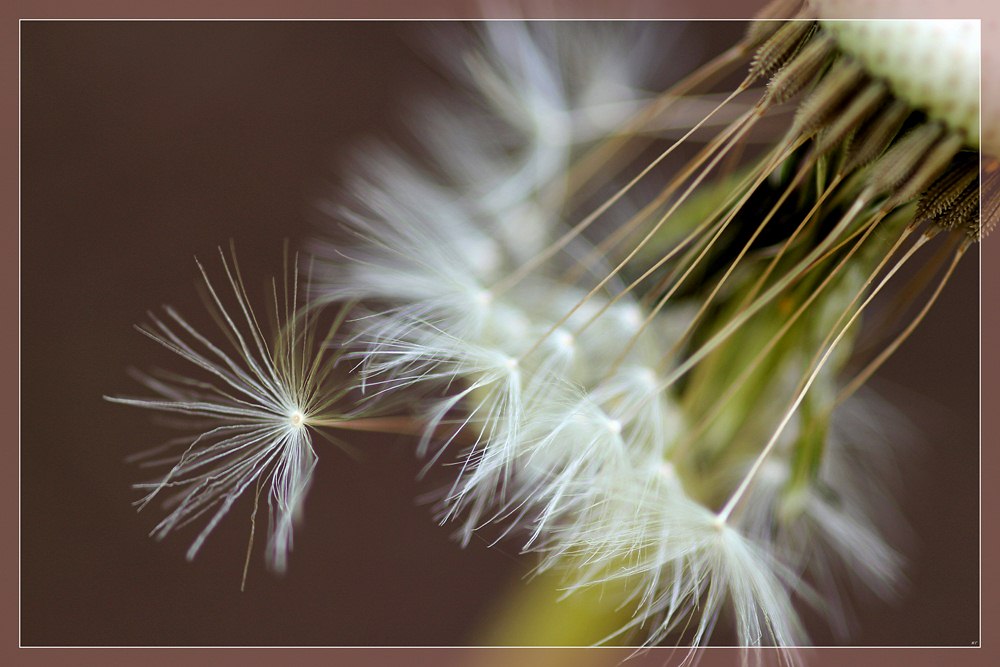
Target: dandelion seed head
{"x":629,"y":392}
{"x":915,"y":57}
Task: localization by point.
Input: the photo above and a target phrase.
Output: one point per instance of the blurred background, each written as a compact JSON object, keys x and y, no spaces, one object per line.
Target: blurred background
{"x":145,"y":144}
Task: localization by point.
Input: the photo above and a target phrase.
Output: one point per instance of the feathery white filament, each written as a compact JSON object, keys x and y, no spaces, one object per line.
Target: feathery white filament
{"x":256,"y":408}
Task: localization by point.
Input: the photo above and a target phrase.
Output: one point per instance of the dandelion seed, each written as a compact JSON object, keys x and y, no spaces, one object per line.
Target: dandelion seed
{"x":255,"y":412}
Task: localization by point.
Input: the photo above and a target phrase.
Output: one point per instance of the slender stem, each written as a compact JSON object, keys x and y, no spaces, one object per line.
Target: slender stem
{"x":723,"y":516}
{"x":804,"y":265}
{"x":780,"y":155}
{"x":652,"y":232}
{"x":512,"y":279}
{"x":595,"y":161}
{"x":876,"y":363}
{"x":847,"y":309}
{"x":744,"y":375}
{"x":398,"y":425}
{"x":622,"y":233}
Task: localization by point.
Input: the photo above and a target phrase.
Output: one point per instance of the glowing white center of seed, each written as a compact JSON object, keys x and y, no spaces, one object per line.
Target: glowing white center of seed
{"x":647,"y":376}
{"x":667,"y":471}
{"x":564,"y":339}
{"x":296,"y":419}
{"x":630,"y":316}
{"x":484,"y":297}
{"x":614,"y":426}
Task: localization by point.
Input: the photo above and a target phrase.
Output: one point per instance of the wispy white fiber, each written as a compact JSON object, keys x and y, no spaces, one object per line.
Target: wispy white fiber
{"x":252,"y":401}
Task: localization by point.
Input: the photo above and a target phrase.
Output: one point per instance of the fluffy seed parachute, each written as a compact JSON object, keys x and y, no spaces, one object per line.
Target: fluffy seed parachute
{"x":254,"y":401}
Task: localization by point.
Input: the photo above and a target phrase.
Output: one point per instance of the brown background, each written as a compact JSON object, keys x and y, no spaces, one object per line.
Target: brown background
{"x":144,"y":144}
